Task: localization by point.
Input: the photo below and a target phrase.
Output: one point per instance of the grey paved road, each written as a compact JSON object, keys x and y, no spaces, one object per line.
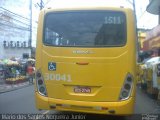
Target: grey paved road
{"x":18,"y":101}
{"x":22,"y":101}
{"x":144,"y":103}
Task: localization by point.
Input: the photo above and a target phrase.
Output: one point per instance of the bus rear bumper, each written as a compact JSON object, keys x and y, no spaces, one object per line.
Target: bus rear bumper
{"x":112,"y":108}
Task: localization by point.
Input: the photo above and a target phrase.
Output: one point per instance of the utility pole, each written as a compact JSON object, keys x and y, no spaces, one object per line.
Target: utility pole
{"x":137,"y":40}
{"x":41,"y":4}
{"x":159,"y":15}
{"x":134,"y":9}
{"x":30,"y":38}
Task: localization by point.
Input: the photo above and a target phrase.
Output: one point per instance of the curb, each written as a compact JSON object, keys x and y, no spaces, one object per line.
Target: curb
{"x":16,"y":88}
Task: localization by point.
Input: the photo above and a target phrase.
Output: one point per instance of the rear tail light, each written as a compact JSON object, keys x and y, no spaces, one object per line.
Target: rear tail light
{"x":126,"y":88}
{"x":40,"y":84}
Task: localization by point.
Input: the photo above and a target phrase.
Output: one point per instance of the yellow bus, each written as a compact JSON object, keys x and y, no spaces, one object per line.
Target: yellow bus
{"x":86,"y":60}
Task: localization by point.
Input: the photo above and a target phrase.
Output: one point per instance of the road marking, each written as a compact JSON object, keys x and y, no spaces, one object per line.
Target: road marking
{"x":45,"y":112}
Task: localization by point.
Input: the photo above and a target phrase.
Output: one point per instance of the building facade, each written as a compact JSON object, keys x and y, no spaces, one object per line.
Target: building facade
{"x":152,"y":41}
{"x":14,"y":29}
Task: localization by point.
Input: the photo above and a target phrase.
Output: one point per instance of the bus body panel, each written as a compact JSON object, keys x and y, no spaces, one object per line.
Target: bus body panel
{"x":103,"y":70}
{"x":98,"y":74}
{"x":120,"y":108}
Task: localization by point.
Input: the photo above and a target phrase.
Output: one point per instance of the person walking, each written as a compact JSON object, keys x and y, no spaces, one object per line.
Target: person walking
{"x":30,"y":73}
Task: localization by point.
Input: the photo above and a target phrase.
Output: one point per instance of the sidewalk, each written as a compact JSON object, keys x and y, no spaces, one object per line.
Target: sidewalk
{"x":9,"y":87}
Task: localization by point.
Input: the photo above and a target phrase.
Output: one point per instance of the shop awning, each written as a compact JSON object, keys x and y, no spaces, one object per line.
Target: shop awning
{"x":154,"y":7}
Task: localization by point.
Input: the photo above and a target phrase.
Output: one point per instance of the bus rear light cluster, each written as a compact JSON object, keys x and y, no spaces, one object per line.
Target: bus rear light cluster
{"x":40,"y":84}
{"x":126,"y":88}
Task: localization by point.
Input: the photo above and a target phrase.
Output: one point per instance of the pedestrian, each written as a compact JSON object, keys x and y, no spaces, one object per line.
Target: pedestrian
{"x":17,"y":73}
{"x":13,"y":69}
{"x":30,"y":73}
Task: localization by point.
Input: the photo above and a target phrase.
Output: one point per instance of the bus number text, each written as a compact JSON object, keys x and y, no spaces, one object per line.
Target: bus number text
{"x":58,"y":77}
{"x":112,"y":20}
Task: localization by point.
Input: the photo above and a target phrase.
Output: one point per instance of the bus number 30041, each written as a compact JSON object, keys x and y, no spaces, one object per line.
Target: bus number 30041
{"x":58,"y":77}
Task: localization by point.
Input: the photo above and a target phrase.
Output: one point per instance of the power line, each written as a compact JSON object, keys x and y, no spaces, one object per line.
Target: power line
{"x":5,"y":21}
{"x":142,"y":14}
{"x":47,"y":2}
{"x":16,"y":21}
{"x":14,"y":13}
{"x":21,"y":28}
{"x":41,"y":5}
{"x":17,"y":15}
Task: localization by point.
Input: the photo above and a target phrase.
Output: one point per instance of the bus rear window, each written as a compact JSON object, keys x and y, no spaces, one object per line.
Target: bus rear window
{"x":85,"y":29}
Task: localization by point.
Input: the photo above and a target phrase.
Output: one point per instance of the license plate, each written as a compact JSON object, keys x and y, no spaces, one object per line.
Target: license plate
{"x":82,"y":90}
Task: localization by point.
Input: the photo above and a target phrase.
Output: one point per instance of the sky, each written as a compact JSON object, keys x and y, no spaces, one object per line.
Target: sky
{"x":145,"y":19}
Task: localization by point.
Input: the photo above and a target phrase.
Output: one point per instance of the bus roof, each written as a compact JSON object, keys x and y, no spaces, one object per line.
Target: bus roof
{"x":86,"y":8}
{"x":84,"y":5}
